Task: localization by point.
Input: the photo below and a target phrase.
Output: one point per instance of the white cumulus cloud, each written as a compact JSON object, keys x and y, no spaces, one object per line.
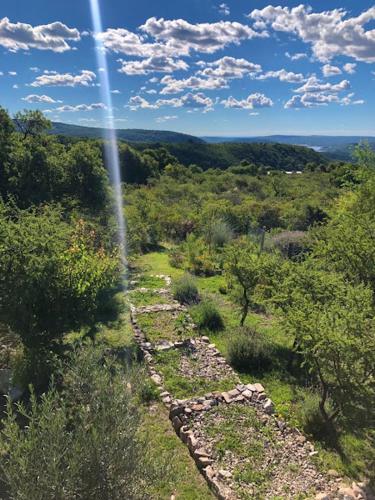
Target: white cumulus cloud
{"x":315,"y":85}
{"x":329,"y":70}
{"x":81,"y":107}
{"x":42,"y":99}
{"x":173,"y":86}
{"x":283,"y":75}
{"x":350,"y":68}
{"x":54,"y":79}
{"x":253,"y":101}
{"x":20,"y":36}
{"x":229,"y":67}
{"x":331,"y":33}
{"x":154,"y":64}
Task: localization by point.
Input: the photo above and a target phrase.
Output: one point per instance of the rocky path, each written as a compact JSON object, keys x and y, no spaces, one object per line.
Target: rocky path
{"x":234,"y":434}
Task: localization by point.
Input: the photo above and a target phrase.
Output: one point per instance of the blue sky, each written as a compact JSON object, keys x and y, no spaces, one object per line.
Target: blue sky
{"x":204,"y":67}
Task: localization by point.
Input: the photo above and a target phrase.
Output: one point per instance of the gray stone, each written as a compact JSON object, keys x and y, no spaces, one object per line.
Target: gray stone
{"x":226,"y":397}
{"x":225,"y":474}
{"x":192,"y":442}
{"x":175,"y":411}
{"x":346,"y":493}
{"x":233,"y":393}
{"x":268,"y":407}
{"x":201,"y":452}
{"x":259,"y":387}
{"x":177,"y":424}
{"x":247,"y":394}
{"x":184,"y":434}
{"x":156,"y":378}
{"x":251,"y":387}
{"x":209,"y":473}
{"x":203,"y":462}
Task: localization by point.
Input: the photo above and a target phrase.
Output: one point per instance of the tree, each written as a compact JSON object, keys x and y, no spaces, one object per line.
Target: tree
{"x":246,"y":268}
{"x":347,"y":243}
{"x":87,"y":179}
{"x":335,"y":334}
{"x":30,"y":122}
{"x":6,"y":130}
{"x":36,"y":171}
{"x":51,"y":275}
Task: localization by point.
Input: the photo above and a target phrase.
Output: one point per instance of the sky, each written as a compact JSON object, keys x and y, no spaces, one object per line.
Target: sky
{"x":204,"y":67}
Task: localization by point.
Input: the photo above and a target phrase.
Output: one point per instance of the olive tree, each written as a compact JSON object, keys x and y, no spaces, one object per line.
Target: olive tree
{"x":246,"y":269}
{"x":83,"y":440}
{"x":332,"y":322}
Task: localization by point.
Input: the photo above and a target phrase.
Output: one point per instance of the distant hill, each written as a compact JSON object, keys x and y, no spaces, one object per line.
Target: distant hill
{"x":130,"y":135}
{"x":193,"y":150}
{"x":274,"y":156}
{"x":335,"y":146}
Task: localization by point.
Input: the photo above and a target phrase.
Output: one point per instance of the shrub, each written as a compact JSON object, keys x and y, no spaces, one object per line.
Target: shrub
{"x":248,"y":350}
{"x":310,"y":416}
{"x":185,"y":290}
{"x":206,"y":315}
{"x":220,"y":234}
{"x":148,"y":391}
{"x":34,"y":366}
{"x":81,"y":442}
{"x":176,"y":258}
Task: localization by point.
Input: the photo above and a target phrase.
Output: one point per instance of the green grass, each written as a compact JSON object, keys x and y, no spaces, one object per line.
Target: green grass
{"x":180,"y":386}
{"x":165,"y":325}
{"x":114,"y":328}
{"x":158,"y":263}
{"x":148,"y":298}
{"x":149,"y":281}
{"x":182,"y":479}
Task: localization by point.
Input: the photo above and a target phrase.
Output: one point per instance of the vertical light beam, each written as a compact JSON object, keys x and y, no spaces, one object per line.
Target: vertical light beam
{"x":109,"y":131}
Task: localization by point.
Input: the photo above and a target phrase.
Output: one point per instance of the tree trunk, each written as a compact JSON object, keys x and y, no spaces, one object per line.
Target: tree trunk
{"x":245,"y":307}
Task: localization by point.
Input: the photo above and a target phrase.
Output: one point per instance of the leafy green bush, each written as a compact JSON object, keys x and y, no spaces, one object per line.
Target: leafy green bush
{"x":310,"y":416}
{"x":185,"y":290}
{"x":248,"y":350}
{"x":206,"y":315}
{"x":219,"y":234}
{"x":81,"y":442}
{"x":199,"y":260}
{"x":148,"y":391}
{"x":176,"y":258}
{"x":34,"y":366}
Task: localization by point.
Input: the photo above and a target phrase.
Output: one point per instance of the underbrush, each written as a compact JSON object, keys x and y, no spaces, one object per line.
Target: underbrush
{"x":185,"y":290}
{"x":207,"y":316}
{"x":248,"y":349}
{"x":84,"y":429}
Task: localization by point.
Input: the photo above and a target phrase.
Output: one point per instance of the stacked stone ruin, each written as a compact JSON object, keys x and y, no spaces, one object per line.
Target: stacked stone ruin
{"x":186,"y":415}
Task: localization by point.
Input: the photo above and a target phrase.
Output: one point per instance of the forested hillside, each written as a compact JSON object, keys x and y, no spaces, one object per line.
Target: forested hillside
{"x":272,"y":156}
{"x":250,"y":293}
{"x":190,"y":150}
{"x":129,"y":135}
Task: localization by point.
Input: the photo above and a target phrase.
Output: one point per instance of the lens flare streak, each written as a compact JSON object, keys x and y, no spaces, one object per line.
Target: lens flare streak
{"x":109,"y":131}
